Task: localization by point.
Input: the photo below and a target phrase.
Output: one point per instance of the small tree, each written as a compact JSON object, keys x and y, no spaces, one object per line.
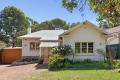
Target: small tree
{"x":63,"y":50}
{"x":101,"y":52}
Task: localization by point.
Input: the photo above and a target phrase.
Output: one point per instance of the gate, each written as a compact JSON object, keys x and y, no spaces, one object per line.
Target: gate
{"x":116,"y":48}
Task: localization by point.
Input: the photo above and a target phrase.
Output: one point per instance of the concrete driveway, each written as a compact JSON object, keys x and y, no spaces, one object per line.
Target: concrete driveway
{"x":8,"y":72}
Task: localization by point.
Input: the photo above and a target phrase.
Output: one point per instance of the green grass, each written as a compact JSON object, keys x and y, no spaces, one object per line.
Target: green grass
{"x":79,"y":71}
{"x":76,"y":75}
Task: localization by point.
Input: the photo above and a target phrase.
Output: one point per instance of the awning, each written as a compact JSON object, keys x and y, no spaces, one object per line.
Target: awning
{"x":48,"y":44}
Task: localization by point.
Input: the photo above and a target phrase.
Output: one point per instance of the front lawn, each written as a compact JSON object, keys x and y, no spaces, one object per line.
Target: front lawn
{"x":79,"y":71}
{"x":77,"y":75}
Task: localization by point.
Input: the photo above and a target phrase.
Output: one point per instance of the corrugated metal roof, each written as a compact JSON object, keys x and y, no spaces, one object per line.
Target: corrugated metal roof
{"x":48,"y":44}
{"x":113,"y":30}
{"x":45,"y":34}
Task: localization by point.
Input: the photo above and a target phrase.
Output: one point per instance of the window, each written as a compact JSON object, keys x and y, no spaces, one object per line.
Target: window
{"x":90,"y":47}
{"x":77,"y":47}
{"x":84,"y":47}
{"x":34,"y":45}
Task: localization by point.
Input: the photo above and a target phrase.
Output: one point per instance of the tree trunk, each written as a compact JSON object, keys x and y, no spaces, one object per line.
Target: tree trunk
{"x":73,"y":58}
{"x":110,"y":60}
{"x":13,"y":42}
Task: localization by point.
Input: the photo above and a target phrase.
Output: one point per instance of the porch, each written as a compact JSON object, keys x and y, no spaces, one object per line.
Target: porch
{"x":46,"y":50}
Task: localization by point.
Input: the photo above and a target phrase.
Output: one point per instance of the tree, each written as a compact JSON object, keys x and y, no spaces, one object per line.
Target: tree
{"x":48,"y":25}
{"x":108,"y":10}
{"x":33,"y":24}
{"x":12,"y":23}
{"x":59,"y":23}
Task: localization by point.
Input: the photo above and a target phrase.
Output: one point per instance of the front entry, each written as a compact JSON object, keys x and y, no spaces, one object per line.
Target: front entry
{"x":45,"y":53}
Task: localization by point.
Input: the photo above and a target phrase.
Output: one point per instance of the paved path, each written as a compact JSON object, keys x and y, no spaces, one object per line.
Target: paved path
{"x":8,"y":72}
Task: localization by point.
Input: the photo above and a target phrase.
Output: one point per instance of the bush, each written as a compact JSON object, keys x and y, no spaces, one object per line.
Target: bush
{"x":55,"y":61}
{"x":88,"y":61}
{"x":63,"y":50}
{"x":1,"y":50}
{"x":116,"y":64}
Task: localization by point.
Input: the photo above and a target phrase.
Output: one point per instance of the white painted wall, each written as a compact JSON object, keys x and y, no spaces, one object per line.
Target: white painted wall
{"x":86,"y":34}
{"x":26,"y":47}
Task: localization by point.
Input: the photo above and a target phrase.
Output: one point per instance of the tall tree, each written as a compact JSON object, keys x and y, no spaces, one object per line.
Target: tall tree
{"x":59,"y":23}
{"x":12,"y":23}
{"x":108,"y":10}
{"x":33,"y":24}
{"x":48,"y":25}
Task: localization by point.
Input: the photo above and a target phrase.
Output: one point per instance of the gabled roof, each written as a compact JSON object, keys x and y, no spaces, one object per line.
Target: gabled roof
{"x":113,"y":30}
{"x":84,"y":23}
{"x":44,"y":34}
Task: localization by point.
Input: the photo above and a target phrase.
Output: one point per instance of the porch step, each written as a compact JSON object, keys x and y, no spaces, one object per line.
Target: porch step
{"x":45,"y":61}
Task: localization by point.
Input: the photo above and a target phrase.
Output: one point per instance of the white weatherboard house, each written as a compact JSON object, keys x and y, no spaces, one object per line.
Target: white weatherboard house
{"x":84,"y":39}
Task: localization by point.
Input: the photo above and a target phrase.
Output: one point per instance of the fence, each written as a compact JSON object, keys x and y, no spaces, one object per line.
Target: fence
{"x":10,"y":55}
{"x":116,"y":50}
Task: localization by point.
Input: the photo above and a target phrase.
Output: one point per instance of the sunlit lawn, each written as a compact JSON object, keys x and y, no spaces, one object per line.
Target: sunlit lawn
{"x":76,"y":75}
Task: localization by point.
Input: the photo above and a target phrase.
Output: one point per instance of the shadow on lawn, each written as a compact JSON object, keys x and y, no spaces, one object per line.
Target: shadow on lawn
{"x":37,"y":66}
{"x":88,"y":66}
{"x":80,"y":68}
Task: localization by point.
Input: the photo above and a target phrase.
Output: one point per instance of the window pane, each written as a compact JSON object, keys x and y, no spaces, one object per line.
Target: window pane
{"x":77,"y":44}
{"x":90,"y":44}
{"x":84,"y":50}
{"x":90,"y":50}
{"x":32,"y":45}
{"x":77,"y":50}
{"x":84,"y":47}
{"x":37,"y":45}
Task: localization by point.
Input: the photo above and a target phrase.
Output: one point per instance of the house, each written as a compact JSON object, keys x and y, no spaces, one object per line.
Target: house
{"x":40,"y":43}
{"x":84,"y":38}
{"x":114,"y":35}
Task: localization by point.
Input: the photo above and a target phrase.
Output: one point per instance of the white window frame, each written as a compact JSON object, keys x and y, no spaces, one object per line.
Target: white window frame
{"x":87,"y":47}
{"x":36,"y":47}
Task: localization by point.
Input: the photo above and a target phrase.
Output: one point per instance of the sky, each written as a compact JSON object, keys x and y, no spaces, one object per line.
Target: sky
{"x":42,"y":10}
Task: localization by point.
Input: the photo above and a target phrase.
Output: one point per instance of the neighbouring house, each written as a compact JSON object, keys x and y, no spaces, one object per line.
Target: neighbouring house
{"x":114,"y":35}
{"x":84,"y":38}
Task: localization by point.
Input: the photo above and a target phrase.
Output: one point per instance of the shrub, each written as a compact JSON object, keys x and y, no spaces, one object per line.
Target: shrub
{"x":63,"y":50}
{"x":101,"y":52}
{"x":116,"y":64}
{"x":88,"y":61}
{"x":1,"y":50}
{"x":55,"y":61}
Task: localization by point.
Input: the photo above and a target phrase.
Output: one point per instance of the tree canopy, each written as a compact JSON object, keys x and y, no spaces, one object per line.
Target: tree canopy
{"x":108,"y":10}
{"x":13,"y":23}
{"x":49,"y":25}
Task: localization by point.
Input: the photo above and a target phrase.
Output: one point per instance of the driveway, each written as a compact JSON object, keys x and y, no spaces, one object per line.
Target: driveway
{"x":8,"y":72}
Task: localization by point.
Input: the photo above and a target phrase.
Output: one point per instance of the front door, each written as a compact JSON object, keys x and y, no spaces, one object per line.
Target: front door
{"x":47,"y":53}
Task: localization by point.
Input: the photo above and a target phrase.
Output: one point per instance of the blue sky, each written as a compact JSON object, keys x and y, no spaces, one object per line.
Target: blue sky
{"x":42,"y":10}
